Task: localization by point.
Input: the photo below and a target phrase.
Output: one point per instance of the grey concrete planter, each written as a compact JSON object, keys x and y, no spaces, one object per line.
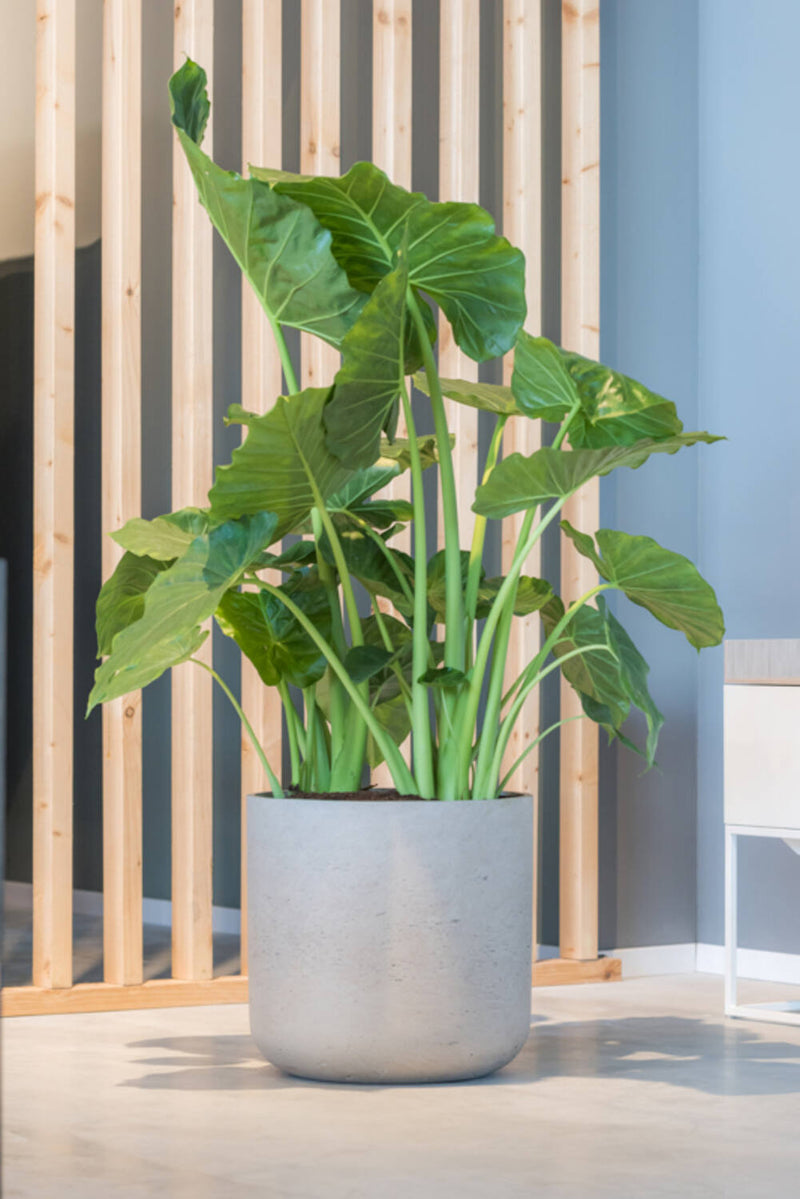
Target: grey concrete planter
{"x":389,"y":942}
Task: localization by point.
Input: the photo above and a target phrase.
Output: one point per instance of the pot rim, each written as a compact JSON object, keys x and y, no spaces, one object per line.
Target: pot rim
{"x":509,"y":797}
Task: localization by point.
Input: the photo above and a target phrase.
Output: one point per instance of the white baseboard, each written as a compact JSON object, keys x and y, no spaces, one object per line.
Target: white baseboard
{"x":647,"y":960}
{"x":758,"y":964}
{"x":19,"y":897}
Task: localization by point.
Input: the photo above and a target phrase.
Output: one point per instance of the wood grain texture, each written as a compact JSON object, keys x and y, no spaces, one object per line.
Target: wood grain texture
{"x":121,"y":467}
{"x":320,"y":108}
{"x":107,"y":997}
{"x":192,"y":449}
{"x":560,"y":972}
{"x":53,"y":506}
{"x":459,"y":170}
{"x":522,"y":225}
{"x":580,"y":303}
{"x":766,"y":663}
{"x":262,"y":380}
{"x":391,"y":151}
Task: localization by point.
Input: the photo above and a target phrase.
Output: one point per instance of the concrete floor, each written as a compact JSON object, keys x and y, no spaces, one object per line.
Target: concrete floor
{"x":624,"y":1091}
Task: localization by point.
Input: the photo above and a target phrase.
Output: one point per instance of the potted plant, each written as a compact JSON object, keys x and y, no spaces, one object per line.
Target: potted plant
{"x":391,"y":941}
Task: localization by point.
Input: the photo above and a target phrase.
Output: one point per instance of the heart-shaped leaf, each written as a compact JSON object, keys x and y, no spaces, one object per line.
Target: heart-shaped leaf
{"x":666,"y":583}
{"x":121,"y":598}
{"x":179,"y":600}
{"x":280,"y":246}
{"x":281,"y":463}
{"x":164,"y":538}
{"x":488,"y":397}
{"x":454,"y":254}
{"x":518,"y":482}
{"x":363,"y":661}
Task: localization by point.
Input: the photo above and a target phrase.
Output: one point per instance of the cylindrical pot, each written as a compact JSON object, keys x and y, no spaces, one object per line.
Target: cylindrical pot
{"x":389,"y":941}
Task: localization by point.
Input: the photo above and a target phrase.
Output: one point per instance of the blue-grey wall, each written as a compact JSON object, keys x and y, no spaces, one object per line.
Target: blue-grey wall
{"x":649,"y":229}
{"x":749,"y":334}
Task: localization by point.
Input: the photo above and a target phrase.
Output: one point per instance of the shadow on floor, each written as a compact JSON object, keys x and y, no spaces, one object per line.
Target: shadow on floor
{"x":715,"y":1059}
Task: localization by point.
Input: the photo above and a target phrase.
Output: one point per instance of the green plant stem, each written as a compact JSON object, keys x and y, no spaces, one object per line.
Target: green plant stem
{"x":420,"y":721}
{"x":502,"y":736}
{"x":528,"y":748}
{"x":291,"y":728}
{"x":277,"y":789}
{"x":454,"y":643}
{"x":283,"y":350}
{"x":402,"y":776}
{"x":479,"y":532}
{"x":563,"y":429}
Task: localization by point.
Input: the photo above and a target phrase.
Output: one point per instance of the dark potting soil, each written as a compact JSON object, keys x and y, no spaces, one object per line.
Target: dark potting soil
{"x":366,"y":793}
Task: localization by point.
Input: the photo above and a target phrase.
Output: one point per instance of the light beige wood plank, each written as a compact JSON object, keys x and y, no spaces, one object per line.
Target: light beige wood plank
{"x":560,"y":972}
{"x":391,"y":139}
{"x":108,"y":997}
{"x":391,"y":151}
{"x":580,"y":331}
{"x":764,"y":663}
{"x":53,"y":509}
{"x":522,"y":225}
{"x":262,"y":382}
{"x":121,"y":454}
{"x":459,"y":166}
{"x":320,"y":109}
{"x":192,"y":447}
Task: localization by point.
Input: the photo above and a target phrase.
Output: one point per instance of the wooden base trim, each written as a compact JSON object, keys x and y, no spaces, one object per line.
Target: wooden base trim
{"x":558,"y":972}
{"x":109,"y":997}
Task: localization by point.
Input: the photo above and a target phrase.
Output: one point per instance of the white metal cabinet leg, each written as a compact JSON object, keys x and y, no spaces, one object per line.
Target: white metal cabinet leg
{"x":731,"y":890}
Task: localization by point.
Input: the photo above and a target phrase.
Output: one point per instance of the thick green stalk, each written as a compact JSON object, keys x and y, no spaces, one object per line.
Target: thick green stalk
{"x":528,"y":748}
{"x":291,"y":728}
{"x":479,"y":531}
{"x":283,"y":350}
{"x":454,"y":643}
{"x":420,"y":721}
{"x":277,"y":789}
{"x":403,"y":778}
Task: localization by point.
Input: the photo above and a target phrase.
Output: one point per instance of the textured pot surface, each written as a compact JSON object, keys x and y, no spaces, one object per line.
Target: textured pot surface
{"x":389,"y":941}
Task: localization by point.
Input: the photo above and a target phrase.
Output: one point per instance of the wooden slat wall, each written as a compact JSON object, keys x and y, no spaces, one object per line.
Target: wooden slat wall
{"x":580,"y":321}
{"x":192,"y":449}
{"x":121,"y":452}
{"x":53,"y":517}
{"x":459,"y":168}
{"x":522,"y":225}
{"x":262,"y":380}
{"x":192,"y":734}
{"x":320,"y":108}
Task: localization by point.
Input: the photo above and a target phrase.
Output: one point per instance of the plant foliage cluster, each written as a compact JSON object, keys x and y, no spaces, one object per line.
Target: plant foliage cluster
{"x":357,"y":262}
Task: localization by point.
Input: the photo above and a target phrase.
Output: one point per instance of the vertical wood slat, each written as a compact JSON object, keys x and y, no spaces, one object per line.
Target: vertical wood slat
{"x":580,"y":289}
{"x":459,"y":168}
{"x":320,"y":107}
{"x":391,"y":139}
{"x":262,"y":136}
{"x":54,"y":351}
{"x":522,"y":225}
{"x":192,"y":450}
{"x":121,"y":454}
{"x":391,"y":151}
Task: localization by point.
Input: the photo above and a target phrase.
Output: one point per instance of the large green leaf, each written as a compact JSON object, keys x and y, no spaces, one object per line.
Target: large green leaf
{"x":353,"y":502}
{"x":540,"y":382}
{"x":532,"y":594}
{"x":272,"y":638}
{"x":281,"y":247}
{"x":121,"y":598}
{"x":666,"y":583}
{"x":454,"y":255}
{"x":520,"y":482}
{"x":367,"y":387}
{"x":367,"y":563}
{"x":489,"y":397}
{"x":282,"y":459}
{"x":149,"y":663}
{"x":179,"y":600}
{"x":165,"y":537}
{"x":634,"y":671}
{"x":616,"y":410}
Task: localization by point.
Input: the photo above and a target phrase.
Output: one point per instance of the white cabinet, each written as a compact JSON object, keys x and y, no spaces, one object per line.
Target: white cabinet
{"x":762,"y":778}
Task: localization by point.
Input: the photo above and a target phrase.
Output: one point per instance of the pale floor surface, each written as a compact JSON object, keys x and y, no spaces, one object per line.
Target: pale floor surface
{"x":623,"y":1091}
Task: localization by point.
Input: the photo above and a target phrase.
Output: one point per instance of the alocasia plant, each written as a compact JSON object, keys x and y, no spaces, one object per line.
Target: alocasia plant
{"x":355,"y":260}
